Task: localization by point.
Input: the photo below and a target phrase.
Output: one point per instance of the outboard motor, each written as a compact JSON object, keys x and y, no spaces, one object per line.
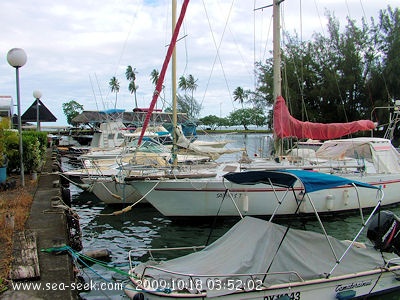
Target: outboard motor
{"x":384,"y":232}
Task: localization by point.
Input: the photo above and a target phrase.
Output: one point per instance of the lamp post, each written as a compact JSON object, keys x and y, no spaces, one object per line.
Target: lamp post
{"x":16,"y":57}
{"x":37,"y":95}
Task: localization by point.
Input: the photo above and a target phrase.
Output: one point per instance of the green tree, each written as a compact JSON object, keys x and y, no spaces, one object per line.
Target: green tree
{"x":239,"y":94}
{"x":385,"y":53}
{"x":214,"y":122}
{"x":154,"y":76}
{"x":114,"y":86}
{"x":325,"y":79}
{"x":187,"y":103}
{"x":247,"y":116}
{"x":71,"y":109}
{"x":130,"y":74}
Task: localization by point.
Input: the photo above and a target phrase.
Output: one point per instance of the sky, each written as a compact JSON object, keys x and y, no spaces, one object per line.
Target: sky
{"x":75,"y":47}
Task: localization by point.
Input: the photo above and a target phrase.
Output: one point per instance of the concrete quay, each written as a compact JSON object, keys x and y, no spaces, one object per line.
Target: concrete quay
{"x":50,"y":226}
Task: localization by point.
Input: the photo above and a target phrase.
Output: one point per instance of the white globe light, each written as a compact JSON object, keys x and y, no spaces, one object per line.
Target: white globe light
{"x":37,"y":94}
{"x":16,"y":57}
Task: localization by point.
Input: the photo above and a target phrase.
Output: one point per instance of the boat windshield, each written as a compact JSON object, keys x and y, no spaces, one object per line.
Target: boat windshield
{"x":149,"y":145}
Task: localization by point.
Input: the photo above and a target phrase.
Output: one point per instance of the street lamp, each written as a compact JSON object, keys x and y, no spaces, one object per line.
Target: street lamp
{"x":37,"y":95}
{"x":16,"y":57}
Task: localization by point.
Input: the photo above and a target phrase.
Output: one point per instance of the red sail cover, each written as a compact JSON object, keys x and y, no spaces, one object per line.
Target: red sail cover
{"x":287,"y":126}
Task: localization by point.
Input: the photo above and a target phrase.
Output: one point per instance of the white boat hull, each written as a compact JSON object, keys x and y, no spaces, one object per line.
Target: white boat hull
{"x":202,"y":197}
{"x":111,"y":192}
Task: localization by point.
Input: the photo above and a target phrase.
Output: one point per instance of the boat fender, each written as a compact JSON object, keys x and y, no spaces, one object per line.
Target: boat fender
{"x":63,"y":181}
{"x":133,"y":294}
{"x":138,"y":296}
{"x":346,"y":197}
{"x":98,"y":253}
{"x":66,"y":196}
{"x":246,"y":203}
{"x":329,"y":202}
{"x":383,"y":232}
{"x":344,"y":295}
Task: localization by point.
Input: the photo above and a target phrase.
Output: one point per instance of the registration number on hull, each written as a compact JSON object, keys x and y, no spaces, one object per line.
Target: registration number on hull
{"x":292,"y":296}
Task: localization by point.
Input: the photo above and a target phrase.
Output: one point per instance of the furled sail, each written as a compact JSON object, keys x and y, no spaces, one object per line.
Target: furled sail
{"x":287,"y":126}
{"x":213,"y":153}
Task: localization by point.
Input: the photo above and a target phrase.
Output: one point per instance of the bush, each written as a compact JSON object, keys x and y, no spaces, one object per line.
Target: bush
{"x":34,"y":150}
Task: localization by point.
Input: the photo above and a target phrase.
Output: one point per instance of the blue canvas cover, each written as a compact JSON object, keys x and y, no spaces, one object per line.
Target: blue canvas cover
{"x":311,"y":181}
{"x":112,"y":111}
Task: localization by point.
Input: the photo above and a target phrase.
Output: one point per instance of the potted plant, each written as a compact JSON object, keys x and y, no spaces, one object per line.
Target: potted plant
{"x":32,"y":154}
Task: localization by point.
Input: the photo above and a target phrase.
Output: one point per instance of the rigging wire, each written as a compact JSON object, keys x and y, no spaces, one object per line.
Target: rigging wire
{"x":217,"y":47}
{"x":101,"y":95}
{"x":94,"y":94}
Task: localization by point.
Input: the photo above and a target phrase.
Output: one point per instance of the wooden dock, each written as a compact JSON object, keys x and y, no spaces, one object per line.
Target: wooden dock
{"x":25,"y":265}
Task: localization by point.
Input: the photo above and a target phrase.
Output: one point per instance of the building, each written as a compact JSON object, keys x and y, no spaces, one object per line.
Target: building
{"x":6,"y":108}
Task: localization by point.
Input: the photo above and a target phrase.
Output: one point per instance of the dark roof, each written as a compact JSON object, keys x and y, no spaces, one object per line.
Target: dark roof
{"x":45,"y":115}
{"x":134,"y":117}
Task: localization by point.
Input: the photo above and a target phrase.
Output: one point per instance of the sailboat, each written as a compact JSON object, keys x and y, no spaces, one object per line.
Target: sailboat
{"x":370,"y":160}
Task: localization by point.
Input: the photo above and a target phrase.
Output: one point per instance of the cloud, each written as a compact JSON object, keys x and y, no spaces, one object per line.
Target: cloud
{"x":75,"y":47}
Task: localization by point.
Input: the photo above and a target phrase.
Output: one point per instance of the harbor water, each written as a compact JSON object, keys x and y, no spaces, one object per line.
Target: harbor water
{"x":145,"y":227}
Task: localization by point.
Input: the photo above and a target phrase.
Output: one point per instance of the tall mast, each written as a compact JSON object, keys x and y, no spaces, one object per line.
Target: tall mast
{"x":174,"y":100}
{"x":276,"y":51}
{"x":277,"y":90}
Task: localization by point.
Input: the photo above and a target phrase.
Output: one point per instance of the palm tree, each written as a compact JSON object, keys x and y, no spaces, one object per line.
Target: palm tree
{"x":155,"y":75}
{"x":188,"y":84}
{"x":182,"y":83}
{"x":131,"y":76}
{"x":133,"y":88}
{"x":191,"y":84}
{"x":239,"y":95}
{"x":114,"y":86}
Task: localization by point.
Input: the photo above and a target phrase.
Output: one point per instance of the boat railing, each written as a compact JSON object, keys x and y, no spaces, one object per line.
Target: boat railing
{"x":93,"y":169}
{"x":392,"y":261}
{"x":150,"y":251}
{"x":332,"y":169}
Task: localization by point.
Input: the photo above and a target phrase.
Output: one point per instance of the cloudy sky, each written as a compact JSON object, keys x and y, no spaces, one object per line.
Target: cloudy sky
{"x":75,"y":47}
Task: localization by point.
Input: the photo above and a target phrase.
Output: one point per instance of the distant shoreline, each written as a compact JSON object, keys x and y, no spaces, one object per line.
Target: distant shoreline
{"x":222,"y":131}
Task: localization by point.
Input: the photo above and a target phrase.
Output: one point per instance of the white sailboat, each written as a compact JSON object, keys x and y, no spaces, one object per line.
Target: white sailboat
{"x":103,"y":170}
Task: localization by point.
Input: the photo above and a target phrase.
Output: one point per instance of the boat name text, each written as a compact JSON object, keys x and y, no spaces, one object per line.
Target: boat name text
{"x":233,"y":195}
{"x":352,"y":285}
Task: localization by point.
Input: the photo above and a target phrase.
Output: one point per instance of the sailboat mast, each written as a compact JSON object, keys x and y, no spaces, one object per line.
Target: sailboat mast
{"x":276,"y":51}
{"x":277,"y":89}
{"x":174,"y":90}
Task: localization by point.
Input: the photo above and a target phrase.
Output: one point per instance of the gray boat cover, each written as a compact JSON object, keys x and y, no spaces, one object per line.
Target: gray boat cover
{"x":249,"y":247}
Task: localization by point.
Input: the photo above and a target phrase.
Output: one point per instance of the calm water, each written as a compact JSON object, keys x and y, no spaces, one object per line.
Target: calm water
{"x":145,"y":227}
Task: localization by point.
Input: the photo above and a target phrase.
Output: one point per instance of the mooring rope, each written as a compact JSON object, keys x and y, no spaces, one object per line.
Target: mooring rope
{"x":82,"y":259}
{"x":128,"y":208}
{"x":86,"y":187}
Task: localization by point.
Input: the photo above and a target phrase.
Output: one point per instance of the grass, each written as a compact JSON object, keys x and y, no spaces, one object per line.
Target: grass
{"x":15,"y":205}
